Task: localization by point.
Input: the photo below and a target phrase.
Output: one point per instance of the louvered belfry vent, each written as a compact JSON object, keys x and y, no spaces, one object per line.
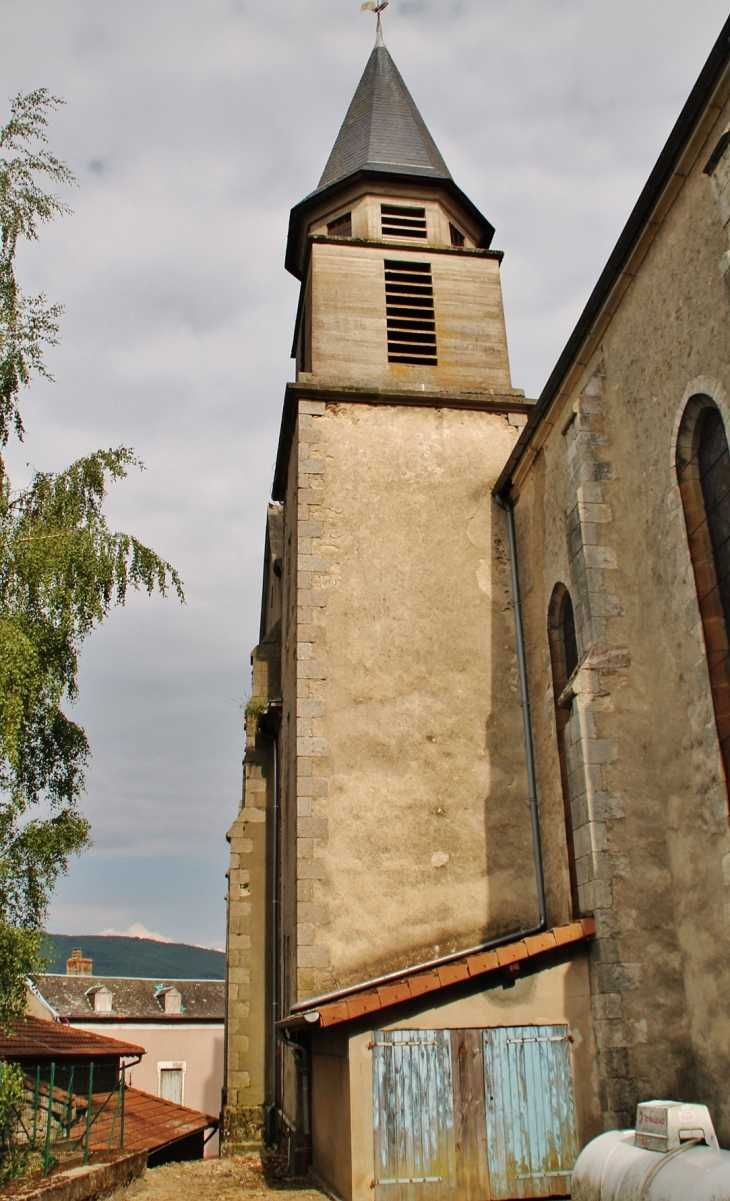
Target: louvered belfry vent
{"x":396,"y":221}
{"x":410,"y":313}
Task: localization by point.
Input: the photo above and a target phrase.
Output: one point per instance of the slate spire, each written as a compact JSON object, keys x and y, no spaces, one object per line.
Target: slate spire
{"x":383,"y":129}
{"x":383,"y":134}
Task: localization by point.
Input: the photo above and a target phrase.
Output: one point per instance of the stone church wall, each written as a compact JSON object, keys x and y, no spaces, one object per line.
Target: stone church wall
{"x":600,"y":512}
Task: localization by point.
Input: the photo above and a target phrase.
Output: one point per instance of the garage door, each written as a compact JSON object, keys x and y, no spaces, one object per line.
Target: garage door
{"x":473,"y":1114}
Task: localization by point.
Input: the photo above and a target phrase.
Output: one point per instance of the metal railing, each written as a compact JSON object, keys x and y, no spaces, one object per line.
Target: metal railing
{"x":62,"y":1109}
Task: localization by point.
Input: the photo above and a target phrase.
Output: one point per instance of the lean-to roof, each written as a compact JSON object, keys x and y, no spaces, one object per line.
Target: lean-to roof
{"x":33,"y":1038}
{"x":411,"y":984}
{"x":149,"y":1123}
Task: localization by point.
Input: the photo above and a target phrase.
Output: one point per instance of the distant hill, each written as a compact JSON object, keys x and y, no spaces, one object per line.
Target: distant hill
{"x":118,"y":956}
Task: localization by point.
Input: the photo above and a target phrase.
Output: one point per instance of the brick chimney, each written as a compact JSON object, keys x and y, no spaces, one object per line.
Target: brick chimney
{"x":77,"y":965}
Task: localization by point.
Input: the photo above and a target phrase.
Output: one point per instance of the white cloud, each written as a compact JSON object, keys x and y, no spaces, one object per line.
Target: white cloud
{"x":193,"y":129}
{"x":137,"y":930}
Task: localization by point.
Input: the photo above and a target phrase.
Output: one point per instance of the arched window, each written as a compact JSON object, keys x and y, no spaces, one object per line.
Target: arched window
{"x":703,"y":471}
{"x":564,"y":660}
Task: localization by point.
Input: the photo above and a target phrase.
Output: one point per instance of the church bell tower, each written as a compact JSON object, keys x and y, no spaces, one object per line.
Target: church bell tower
{"x":400,"y":288}
{"x":384,"y":759}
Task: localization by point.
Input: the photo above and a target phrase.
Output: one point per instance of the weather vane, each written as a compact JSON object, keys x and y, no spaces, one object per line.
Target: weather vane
{"x":376,"y":6}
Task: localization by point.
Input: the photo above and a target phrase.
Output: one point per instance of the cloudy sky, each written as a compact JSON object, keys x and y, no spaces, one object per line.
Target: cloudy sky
{"x":193,"y":127}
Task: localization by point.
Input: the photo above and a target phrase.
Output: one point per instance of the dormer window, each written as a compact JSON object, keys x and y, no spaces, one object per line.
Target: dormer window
{"x":457,"y":237}
{"x":341,"y":227}
{"x":99,"y":998}
{"x":397,"y":221}
{"x":169,"y":999}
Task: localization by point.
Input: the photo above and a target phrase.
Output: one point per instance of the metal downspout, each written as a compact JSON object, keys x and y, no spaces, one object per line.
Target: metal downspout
{"x":492,"y":943}
{"x":526,"y":715}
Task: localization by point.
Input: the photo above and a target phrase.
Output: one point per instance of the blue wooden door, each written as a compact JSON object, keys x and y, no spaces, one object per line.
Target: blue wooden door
{"x":531,"y":1139}
{"x":413,"y":1115}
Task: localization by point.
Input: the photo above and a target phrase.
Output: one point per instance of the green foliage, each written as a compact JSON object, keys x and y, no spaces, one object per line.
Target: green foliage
{"x":11,"y":1093}
{"x":27,"y":323}
{"x":21,"y":958}
{"x":13,"y":1158}
{"x":116,"y":955}
{"x":61,"y":570}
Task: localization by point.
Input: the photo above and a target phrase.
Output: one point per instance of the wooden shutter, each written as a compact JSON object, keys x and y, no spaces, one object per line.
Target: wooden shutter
{"x":531,"y":1139}
{"x":413,"y":1115}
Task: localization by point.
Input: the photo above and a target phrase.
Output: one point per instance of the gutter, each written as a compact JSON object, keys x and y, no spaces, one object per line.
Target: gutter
{"x":657,"y":182}
{"x":113,"y":1019}
{"x":515,"y":935}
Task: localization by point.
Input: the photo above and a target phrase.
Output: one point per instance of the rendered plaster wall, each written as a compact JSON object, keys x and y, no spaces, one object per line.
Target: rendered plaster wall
{"x":600,"y":511}
{"x":348,"y":318}
{"x":331,"y":1126}
{"x":555,"y":996}
{"x":197,"y":1047}
{"x":412,"y":829}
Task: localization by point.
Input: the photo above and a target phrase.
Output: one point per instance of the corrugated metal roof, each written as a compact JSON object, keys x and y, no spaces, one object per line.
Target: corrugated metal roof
{"x":383,"y":130}
{"x":149,"y":1123}
{"x":413,"y":985}
{"x":134,"y":999}
{"x":35,"y":1039}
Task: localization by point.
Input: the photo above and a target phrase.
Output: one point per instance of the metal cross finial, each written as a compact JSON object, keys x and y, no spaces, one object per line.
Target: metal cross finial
{"x":376,"y":6}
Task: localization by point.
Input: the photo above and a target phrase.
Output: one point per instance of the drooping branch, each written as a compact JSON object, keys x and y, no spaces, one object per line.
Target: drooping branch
{"x":27,"y":323}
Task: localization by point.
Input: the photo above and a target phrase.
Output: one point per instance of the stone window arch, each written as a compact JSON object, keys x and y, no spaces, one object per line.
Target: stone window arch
{"x":564,"y":660}
{"x":703,"y":475}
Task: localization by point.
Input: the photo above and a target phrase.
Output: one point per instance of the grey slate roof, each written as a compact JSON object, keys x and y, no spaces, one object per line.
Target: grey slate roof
{"x":383,"y":133}
{"x":133,"y":999}
{"x":383,"y":129}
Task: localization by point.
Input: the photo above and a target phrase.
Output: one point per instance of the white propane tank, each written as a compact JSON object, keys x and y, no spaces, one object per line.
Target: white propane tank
{"x":671,"y":1155}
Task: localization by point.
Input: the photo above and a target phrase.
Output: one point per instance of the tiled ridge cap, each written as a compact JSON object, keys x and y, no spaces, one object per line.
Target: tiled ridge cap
{"x":410,"y":987}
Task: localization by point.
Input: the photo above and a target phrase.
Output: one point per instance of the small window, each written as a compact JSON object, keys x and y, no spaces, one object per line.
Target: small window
{"x":457,"y":237}
{"x":703,"y":471}
{"x":410,"y":313}
{"x":341,"y":227}
{"x":171,"y":1085}
{"x":570,"y":641}
{"x":714,"y":159}
{"x":400,"y":222}
{"x":171,"y":1079}
{"x":303,"y":341}
{"x":563,"y":644}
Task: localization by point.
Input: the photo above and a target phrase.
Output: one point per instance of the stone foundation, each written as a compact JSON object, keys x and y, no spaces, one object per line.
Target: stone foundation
{"x":244,"y":1129}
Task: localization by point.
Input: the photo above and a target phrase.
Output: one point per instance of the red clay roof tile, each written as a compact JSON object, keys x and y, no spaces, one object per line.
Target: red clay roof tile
{"x":34,"y":1038}
{"x":418,"y":983}
{"x":149,"y":1122}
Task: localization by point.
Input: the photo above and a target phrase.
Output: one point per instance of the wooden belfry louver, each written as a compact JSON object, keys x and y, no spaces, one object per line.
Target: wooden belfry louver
{"x":410,"y":314}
